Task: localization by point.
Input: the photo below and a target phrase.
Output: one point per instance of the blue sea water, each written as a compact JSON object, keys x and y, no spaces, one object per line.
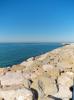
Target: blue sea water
{"x":15,"y":53}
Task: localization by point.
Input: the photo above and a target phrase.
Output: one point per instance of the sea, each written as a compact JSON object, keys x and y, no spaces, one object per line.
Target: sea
{"x":15,"y":53}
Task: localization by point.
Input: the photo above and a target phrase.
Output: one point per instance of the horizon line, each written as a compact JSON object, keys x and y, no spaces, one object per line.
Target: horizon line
{"x":39,"y":42}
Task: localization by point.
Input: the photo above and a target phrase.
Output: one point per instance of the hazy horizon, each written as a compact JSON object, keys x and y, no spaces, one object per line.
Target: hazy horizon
{"x":36,"y":21}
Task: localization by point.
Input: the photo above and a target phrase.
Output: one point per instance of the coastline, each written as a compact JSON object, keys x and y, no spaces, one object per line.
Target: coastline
{"x":15,"y":53}
{"x":43,"y":77}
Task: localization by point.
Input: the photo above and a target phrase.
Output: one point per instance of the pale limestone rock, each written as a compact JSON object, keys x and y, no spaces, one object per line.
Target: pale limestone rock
{"x":30,"y":59}
{"x":51,"y":71}
{"x":44,"y":86}
{"x":45,"y":98}
{"x":47,"y":67}
{"x":26,"y":63}
{"x":33,"y":74}
{"x":3,"y":70}
{"x":64,"y":92}
{"x":56,"y":50}
{"x":18,"y":94}
{"x":65,"y":81}
{"x":13,"y":78}
{"x":62,"y":66}
{"x":42,"y":57}
{"x":15,"y":68}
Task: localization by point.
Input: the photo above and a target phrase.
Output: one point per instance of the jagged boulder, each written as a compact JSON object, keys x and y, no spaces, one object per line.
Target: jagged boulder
{"x":16,"y":94}
{"x":44,"y":86}
{"x":14,"y":78}
{"x":65,"y":82}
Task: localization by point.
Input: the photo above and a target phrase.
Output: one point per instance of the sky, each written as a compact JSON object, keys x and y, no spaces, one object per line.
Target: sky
{"x":36,"y":20}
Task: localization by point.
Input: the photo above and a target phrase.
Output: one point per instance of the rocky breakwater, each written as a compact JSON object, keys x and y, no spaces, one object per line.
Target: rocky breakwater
{"x":45,"y":77}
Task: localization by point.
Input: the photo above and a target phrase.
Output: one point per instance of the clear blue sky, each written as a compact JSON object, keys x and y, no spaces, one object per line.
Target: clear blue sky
{"x":36,"y":20}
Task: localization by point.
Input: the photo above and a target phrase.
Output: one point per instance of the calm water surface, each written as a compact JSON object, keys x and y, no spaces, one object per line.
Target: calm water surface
{"x":15,"y":53}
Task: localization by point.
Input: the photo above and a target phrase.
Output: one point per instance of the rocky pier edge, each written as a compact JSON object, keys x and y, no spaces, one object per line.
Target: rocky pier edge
{"x":45,"y":77}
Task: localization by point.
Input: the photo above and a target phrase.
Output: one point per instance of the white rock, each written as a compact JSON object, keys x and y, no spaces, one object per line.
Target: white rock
{"x":65,"y":81}
{"x":47,"y":67}
{"x":42,"y":57}
{"x":11,"y":78}
{"x":26,"y":63}
{"x":18,"y":94}
{"x":30,"y":59}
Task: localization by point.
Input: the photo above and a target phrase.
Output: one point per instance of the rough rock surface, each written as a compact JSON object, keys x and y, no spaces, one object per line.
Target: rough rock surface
{"x":45,"y":77}
{"x":18,"y":94}
{"x":44,"y":86}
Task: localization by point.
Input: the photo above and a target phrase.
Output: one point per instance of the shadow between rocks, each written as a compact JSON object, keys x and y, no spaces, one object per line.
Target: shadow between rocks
{"x":35,"y":94}
{"x":71,"y":89}
{"x":54,"y":98}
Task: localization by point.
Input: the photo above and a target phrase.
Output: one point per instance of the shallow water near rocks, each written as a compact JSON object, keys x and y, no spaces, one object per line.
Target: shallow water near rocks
{"x":15,"y":53}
